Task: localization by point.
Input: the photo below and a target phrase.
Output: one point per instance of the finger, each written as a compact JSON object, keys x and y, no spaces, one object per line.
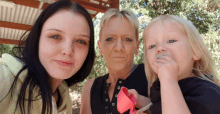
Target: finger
{"x":162,"y":61}
{"x":133,"y":92}
{"x":159,"y":63}
{"x":139,"y":112}
{"x":130,"y":91}
{"x":166,"y":58}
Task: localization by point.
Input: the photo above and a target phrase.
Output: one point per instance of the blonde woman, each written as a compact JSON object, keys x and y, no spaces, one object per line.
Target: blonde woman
{"x":118,"y":44}
{"x":179,"y":68}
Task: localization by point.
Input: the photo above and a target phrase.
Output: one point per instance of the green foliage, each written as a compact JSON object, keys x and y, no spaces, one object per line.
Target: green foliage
{"x":5,"y":48}
{"x":211,"y":40}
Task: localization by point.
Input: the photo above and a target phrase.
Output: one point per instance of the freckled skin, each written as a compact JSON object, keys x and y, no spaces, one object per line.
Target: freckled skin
{"x":120,"y":31}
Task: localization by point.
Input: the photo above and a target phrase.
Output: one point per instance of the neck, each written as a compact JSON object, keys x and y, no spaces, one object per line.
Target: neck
{"x":54,"y":84}
{"x":186,"y":75}
{"x":115,"y":75}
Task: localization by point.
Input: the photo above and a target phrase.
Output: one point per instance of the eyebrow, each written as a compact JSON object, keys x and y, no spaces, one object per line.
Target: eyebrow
{"x":55,"y":30}
{"x":84,"y":35}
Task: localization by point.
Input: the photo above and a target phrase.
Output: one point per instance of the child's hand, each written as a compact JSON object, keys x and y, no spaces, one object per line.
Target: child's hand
{"x":167,"y":68}
{"x":141,"y":100}
{"x":140,"y":112}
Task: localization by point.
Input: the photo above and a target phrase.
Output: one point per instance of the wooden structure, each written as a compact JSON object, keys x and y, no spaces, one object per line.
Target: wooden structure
{"x":17,"y":16}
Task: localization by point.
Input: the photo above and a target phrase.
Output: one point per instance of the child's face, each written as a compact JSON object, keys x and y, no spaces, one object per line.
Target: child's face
{"x":169,"y":39}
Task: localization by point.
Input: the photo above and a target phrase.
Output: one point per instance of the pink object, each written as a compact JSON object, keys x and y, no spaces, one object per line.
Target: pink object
{"x":125,"y":102}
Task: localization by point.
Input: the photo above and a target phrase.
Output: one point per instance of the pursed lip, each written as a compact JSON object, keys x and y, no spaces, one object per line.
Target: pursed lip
{"x":119,"y":57}
{"x":63,"y":63}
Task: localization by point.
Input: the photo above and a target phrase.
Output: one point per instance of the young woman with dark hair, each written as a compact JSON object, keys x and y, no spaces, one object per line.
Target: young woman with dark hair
{"x":58,"y":52}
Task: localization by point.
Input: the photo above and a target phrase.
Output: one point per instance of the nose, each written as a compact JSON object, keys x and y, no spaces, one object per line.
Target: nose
{"x":67,"y":48}
{"x":119,"y":45}
{"x":161,"y":48}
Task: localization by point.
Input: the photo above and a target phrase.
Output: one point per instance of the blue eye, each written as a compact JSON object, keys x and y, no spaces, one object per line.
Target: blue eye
{"x":81,"y":41}
{"x":109,"y":39}
{"x":152,"y":46}
{"x":55,"y":37}
{"x":129,"y":40}
{"x":171,"y":41}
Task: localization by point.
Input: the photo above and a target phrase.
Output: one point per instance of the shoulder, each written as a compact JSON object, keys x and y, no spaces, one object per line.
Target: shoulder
{"x":88,"y":83}
{"x":209,"y":91}
{"x":85,"y":99}
{"x":206,"y":98}
{"x":139,"y":70}
{"x":87,"y":87}
{"x":6,"y":80}
{"x":140,"y":66}
{"x":139,"y":74}
{"x":205,"y":88}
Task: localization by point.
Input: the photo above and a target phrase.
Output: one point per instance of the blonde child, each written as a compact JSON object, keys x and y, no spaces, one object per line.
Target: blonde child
{"x":179,"y":69}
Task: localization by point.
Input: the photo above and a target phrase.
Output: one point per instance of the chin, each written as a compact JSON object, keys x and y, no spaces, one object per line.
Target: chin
{"x":60,"y":75}
{"x":155,"y":70}
{"x":119,"y":67}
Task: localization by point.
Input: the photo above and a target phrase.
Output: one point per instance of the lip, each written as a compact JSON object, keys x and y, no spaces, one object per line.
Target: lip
{"x":119,"y":57}
{"x":63,"y":63}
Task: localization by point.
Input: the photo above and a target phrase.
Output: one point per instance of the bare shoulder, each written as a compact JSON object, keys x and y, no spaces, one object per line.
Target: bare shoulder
{"x":85,"y":107}
{"x":88,"y":85}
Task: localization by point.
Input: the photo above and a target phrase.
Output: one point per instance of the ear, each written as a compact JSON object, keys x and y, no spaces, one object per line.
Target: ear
{"x":137,"y":48}
{"x":99,"y":45}
{"x":196,"y":57}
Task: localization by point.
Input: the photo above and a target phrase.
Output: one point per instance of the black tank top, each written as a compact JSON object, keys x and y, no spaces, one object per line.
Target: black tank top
{"x":100,"y":101}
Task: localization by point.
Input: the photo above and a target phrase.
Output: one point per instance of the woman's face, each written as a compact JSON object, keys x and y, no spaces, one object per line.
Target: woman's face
{"x":64,"y":44}
{"x":118,"y":43}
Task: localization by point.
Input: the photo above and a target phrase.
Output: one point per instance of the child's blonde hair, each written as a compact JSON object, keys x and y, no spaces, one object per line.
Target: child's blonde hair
{"x":204,"y":67}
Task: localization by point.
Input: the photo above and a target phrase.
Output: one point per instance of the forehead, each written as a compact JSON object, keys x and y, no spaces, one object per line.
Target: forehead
{"x":165,"y":27}
{"x":66,"y":20}
{"x":118,"y":25}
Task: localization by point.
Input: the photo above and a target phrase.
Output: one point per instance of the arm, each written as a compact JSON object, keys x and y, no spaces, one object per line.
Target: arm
{"x":141,"y":100}
{"x":85,"y":107}
{"x":172,"y":99}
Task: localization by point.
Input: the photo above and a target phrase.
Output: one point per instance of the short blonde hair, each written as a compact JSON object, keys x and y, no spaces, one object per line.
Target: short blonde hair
{"x":112,"y":12}
{"x":204,"y":67}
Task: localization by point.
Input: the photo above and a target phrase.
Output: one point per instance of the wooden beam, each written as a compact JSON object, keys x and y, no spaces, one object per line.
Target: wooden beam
{"x":14,"y":25}
{"x":44,"y":6}
{"x":29,"y":3}
{"x":115,"y":4}
{"x":9,"y":41}
{"x":92,"y":6}
{"x":92,"y":16}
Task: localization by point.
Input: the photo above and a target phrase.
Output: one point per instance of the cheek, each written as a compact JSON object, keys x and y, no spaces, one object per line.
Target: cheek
{"x":148,"y":56}
{"x":81,"y":53}
{"x":107,"y":48}
{"x":46,"y":47}
{"x":42,"y":50}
